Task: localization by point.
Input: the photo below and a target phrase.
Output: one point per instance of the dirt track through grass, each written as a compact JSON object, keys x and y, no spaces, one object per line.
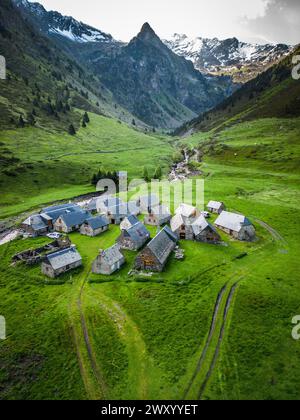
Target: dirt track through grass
{"x":208,"y":340}
{"x":220,"y":340}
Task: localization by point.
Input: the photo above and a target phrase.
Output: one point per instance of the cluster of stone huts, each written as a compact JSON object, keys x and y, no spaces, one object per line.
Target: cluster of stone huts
{"x":188,"y":223}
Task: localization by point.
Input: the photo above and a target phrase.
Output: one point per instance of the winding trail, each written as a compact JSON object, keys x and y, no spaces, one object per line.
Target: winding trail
{"x":208,"y":340}
{"x":220,"y":340}
{"x":274,"y":233}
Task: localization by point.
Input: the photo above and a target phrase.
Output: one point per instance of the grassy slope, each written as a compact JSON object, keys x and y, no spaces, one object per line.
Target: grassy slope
{"x":154,"y":329}
{"x":43,"y":165}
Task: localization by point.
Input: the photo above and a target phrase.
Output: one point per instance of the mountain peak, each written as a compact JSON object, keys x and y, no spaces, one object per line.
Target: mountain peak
{"x":146,"y":28}
{"x":147,"y":33}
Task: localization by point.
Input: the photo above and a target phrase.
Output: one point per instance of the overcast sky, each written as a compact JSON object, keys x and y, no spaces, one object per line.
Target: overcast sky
{"x":253,"y":20}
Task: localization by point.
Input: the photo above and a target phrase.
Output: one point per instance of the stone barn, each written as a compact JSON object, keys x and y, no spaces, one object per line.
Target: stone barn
{"x":61,"y":262}
{"x":108,"y":261}
{"x":128,"y":222}
{"x":158,"y":216}
{"x":94,"y":226}
{"x":35,"y":225}
{"x":203,"y":231}
{"x":182,"y":227}
{"x":155,"y":255}
{"x":71,"y":221}
{"x":236,"y":225}
{"x":188,"y":211}
{"x":148,"y":201}
{"x":134,"y":238}
{"x":216,"y":207}
{"x":51,"y":214}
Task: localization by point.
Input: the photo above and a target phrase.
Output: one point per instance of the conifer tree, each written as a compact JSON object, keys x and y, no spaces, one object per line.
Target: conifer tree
{"x":71,"y":130}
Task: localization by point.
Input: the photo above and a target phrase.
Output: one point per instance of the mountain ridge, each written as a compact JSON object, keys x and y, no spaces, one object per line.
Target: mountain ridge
{"x":145,"y":77}
{"x":230,"y":56}
{"x":272,"y":94}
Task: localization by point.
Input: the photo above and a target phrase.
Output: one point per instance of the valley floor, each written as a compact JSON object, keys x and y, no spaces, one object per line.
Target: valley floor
{"x":215,"y":326}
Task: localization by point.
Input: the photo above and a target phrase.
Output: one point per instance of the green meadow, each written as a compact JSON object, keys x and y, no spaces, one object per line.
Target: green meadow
{"x":39,"y":166}
{"x":136,"y":337}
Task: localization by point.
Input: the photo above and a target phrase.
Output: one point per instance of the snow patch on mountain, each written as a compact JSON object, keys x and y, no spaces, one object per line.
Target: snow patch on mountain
{"x":54,"y":23}
{"x":214,"y":55}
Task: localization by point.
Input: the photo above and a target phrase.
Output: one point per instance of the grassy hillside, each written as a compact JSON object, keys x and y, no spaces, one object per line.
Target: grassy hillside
{"x":40,"y":165}
{"x":273,"y":93}
{"x":146,"y":335}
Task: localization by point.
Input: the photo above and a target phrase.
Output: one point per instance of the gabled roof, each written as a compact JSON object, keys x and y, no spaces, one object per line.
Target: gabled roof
{"x":97,"y":222}
{"x":75,"y":218}
{"x":35,"y":222}
{"x":63,"y":258}
{"x":163,"y":244}
{"x":54,"y":212}
{"x":160,"y":210}
{"x":150,"y":200}
{"x":200,"y":225}
{"x":177,"y":221}
{"x":118,"y":210}
{"x":171,"y":234}
{"x":112,"y":201}
{"x":92,"y":204}
{"x":137,"y":232}
{"x":232,"y":221}
{"x":133,"y":208}
{"x":131,"y":220}
{"x":186,"y":210}
{"x":216,"y":205}
{"x":112,"y":255}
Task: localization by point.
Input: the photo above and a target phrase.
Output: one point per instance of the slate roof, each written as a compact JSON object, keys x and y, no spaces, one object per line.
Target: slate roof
{"x":150,"y":200}
{"x":130,"y":221}
{"x":111,"y":201}
{"x":186,"y":210}
{"x":54,"y":212}
{"x":63,"y":258}
{"x":97,"y":222}
{"x":161,"y":210}
{"x":177,"y":221}
{"x":232,"y":221}
{"x":200,"y":225}
{"x":120,"y":210}
{"x":92,"y":204}
{"x":171,"y":234}
{"x":216,"y":205}
{"x":163,"y":244}
{"x":138,"y":232}
{"x":75,"y":218}
{"x":112,"y":255}
{"x":133,"y":208}
{"x":35,"y":222}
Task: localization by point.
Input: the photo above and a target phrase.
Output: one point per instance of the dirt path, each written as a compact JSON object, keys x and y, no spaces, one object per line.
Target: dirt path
{"x":220,"y":340}
{"x":274,"y":233}
{"x":89,"y":348}
{"x":96,"y":152}
{"x":208,"y":340}
{"x":90,"y":372}
{"x":138,"y":364}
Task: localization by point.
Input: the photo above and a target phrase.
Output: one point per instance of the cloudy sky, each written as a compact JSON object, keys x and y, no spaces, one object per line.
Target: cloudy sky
{"x":253,"y":20}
